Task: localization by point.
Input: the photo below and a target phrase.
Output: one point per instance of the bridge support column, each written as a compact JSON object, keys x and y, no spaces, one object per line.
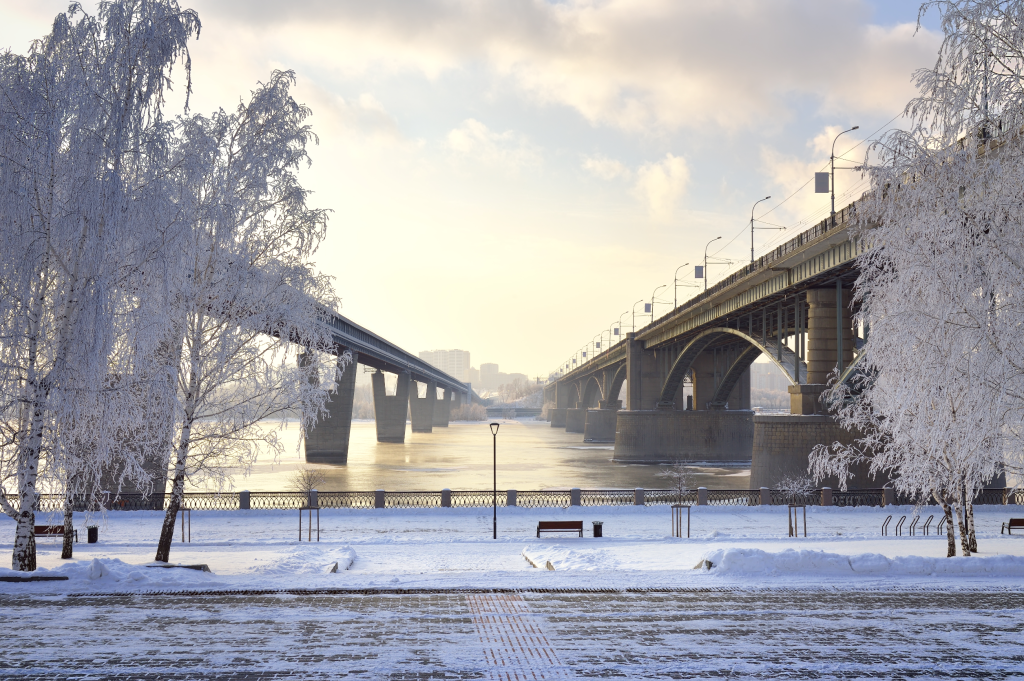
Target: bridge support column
{"x":390,"y":410}
{"x":327,"y":441}
{"x":557,"y":417}
{"x":654,"y":436}
{"x":575,"y":420}
{"x":600,"y":423}
{"x":421,"y":409}
{"x":443,"y":409}
{"x":782,"y":444}
{"x":644,"y":375}
{"x":822,"y":345}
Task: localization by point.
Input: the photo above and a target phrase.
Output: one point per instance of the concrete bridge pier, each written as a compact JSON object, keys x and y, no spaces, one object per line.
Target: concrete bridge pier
{"x":443,"y":409}
{"x":575,"y":420}
{"x":557,"y":417}
{"x":421,"y":409}
{"x":390,"y":411}
{"x":600,"y":423}
{"x":327,"y":441}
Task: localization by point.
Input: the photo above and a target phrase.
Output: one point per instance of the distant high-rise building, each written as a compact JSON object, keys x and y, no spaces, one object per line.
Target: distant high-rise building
{"x":452,"y":362}
{"x":489,"y":376}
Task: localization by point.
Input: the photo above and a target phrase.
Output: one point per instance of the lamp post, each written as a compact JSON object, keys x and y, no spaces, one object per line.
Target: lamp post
{"x":494,"y":432}
{"x":832,"y":176}
{"x":634,"y":313}
{"x":752,"y":227}
{"x":620,"y":323}
{"x":652,"y":300}
{"x":675,"y":286}
{"x":706,"y":261}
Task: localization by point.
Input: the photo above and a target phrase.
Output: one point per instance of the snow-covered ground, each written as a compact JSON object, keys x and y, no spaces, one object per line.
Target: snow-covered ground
{"x":453,"y":548}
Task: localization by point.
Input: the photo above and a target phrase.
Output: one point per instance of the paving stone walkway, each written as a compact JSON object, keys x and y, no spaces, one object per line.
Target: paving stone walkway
{"x":729,"y":633}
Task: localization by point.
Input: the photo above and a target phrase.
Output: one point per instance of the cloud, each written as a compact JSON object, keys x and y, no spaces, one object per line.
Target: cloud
{"x":605,"y":168}
{"x":660,"y":185}
{"x":638,"y":65}
{"x":508,"y":150}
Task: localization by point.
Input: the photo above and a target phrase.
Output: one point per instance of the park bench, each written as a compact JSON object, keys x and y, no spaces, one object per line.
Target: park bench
{"x":1015,"y":523}
{"x":560,"y":526}
{"x":52,"y":531}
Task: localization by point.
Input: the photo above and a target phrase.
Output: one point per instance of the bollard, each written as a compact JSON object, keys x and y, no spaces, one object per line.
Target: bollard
{"x":446,"y":498}
{"x":378,"y":498}
{"x":574,"y":496}
{"x":638,"y":496}
{"x":766,"y":497}
{"x":702,"y":496}
{"x":888,"y":496}
{"x":314,"y":499}
{"x":510,"y":498}
{"x":826,"y":496}
{"x":243,"y":500}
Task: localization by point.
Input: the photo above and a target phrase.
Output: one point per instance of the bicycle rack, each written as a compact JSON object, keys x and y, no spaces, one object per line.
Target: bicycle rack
{"x":927,"y":523}
{"x":913,"y":524}
{"x":885,"y":527}
{"x":942,"y":524}
{"x":899,"y":526}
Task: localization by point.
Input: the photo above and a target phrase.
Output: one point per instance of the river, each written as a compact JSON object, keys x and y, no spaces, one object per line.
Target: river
{"x":531,"y":456}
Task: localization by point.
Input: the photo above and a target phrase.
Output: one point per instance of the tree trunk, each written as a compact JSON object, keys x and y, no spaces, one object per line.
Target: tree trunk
{"x":965,"y":544}
{"x":972,"y":539}
{"x":69,"y":528}
{"x":163,"y":549}
{"x":25,"y":541}
{"x":950,"y":538}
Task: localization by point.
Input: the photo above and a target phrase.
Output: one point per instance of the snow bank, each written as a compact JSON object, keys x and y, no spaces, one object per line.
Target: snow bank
{"x":562,"y":558}
{"x":758,"y":562}
{"x":305,"y":559}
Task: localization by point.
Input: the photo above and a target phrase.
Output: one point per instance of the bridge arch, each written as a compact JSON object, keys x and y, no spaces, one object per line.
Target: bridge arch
{"x":616,"y":384}
{"x":684,"y":362}
{"x":591,"y":393}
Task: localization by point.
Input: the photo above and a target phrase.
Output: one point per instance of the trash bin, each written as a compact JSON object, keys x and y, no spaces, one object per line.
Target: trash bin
{"x":598,"y":532}
{"x":94,"y":533}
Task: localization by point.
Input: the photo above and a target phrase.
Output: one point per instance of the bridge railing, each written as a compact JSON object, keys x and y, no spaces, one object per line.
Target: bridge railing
{"x":232,"y":501}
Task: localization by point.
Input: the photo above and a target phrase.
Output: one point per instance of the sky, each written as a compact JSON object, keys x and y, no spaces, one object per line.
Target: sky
{"x":513,"y":177}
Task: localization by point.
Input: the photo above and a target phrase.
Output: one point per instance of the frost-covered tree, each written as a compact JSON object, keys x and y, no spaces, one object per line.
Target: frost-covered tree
{"x":81,"y":143}
{"x":243,"y":296}
{"x":940,"y":399}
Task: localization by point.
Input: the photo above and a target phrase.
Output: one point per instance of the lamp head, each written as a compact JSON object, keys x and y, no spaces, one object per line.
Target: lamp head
{"x":856,"y":127}
{"x":494,"y":428}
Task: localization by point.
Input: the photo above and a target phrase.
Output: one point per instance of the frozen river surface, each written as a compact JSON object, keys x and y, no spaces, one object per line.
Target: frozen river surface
{"x":531,"y":455}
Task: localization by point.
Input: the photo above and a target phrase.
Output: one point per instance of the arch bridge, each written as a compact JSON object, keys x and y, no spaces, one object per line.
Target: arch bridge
{"x":792,"y":307}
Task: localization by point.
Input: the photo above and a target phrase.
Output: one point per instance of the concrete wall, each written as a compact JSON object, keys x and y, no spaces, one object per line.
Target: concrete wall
{"x":783,"y":443}
{"x":670,"y":435}
{"x":327,"y":441}
{"x":600,"y":426}
{"x":575,"y":420}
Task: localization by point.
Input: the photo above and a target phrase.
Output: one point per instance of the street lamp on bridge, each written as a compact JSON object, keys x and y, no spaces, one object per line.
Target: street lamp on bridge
{"x":634,"y":313}
{"x":752,"y":228}
{"x":832,"y":174}
{"x":652,"y":300}
{"x":705,"y":270}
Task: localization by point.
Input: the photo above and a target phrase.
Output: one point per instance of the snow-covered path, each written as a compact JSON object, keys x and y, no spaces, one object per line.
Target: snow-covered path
{"x":448,"y":634}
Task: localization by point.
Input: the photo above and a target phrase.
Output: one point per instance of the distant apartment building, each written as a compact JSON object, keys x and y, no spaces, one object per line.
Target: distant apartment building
{"x":452,"y":362}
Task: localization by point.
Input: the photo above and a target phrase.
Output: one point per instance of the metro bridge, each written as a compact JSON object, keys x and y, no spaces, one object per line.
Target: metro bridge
{"x":328,"y":441}
{"x":687,"y":374}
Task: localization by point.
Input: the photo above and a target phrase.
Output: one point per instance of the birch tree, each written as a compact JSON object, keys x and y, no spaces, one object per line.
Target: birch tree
{"x":81,"y":135}
{"x":940,"y":399}
{"x":245,"y":296}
